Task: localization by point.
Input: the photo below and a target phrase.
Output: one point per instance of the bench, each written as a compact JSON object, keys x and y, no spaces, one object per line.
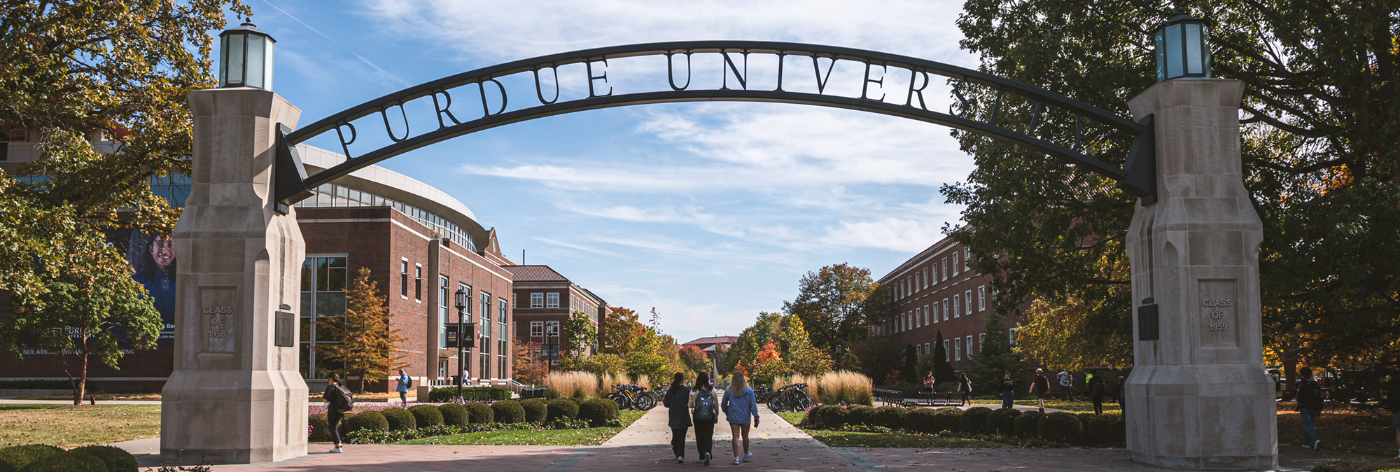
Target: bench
{"x":890,"y":396}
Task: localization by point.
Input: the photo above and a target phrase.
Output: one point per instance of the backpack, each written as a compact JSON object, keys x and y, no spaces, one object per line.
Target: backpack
{"x":343,"y":401}
{"x":409,"y":383}
{"x":705,"y":405}
{"x":1310,"y":395}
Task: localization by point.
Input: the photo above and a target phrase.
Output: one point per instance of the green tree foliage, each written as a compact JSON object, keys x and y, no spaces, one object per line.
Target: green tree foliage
{"x":577,"y":334}
{"x":71,"y":69}
{"x":791,"y":342}
{"x":942,"y":370}
{"x":879,"y":358}
{"x":994,"y":359}
{"x":1041,"y":337}
{"x":909,"y":372}
{"x":1318,"y":131}
{"x":830,"y":303}
{"x":368,"y":344}
{"x":694,"y":359}
{"x":89,"y":299}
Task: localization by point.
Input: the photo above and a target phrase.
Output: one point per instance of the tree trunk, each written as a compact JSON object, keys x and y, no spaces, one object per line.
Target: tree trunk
{"x":1290,"y":371}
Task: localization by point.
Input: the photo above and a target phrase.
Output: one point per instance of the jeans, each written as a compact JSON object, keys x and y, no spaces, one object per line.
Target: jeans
{"x":704,"y":437}
{"x":404,"y":397}
{"x":333,"y":417}
{"x":678,"y":441}
{"x":1098,"y":405}
{"x":1309,"y":434}
{"x":1007,"y":399}
{"x":966,"y":398}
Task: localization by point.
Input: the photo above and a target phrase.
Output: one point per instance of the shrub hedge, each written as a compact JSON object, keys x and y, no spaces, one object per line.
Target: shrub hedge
{"x":454,"y":414}
{"x":1002,"y":421}
{"x":480,"y":413}
{"x":1028,"y":424}
{"x":116,"y":459}
{"x":6,"y":467}
{"x":947,"y":419}
{"x":863,"y":415}
{"x":536,"y":409}
{"x":561,"y":408}
{"x":320,"y":428}
{"x":826,"y":416}
{"x":371,"y":420}
{"x":508,"y":411}
{"x":21,"y":456}
{"x":426,"y":416}
{"x":920,"y":420}
{"x":68,"y":462}
{"x":399,"y":419}
{"x":1106,"y":431}
{"x":1061,"y":427}
{"x":597,"y":411}
{"x":1358,"y":466}
{"x":890,"y":417}
{"x":974,"y":420}
{"x":444,"y":394}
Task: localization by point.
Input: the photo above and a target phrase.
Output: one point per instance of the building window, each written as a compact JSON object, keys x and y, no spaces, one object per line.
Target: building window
{"x":945,"y":268}
{"x":536,"y":329}
{"x":926,"y":345}
{"x":967,"y":258}
{"x":403,"y":278}
{"x":981,"y":298}
{"x":442,"y":368}
{"x":918,"y":350}
{"x":945,"y":309}
{"x":935,"y":312}
{"x":551,"y":328}
{"x":916,"y":281}
{"x":485,"y":322}
{"x":443,"y":297}
{"x":537,"y":300}
{"x":918,"y":317}
{"x":969,"y":346}
{"x":551,"y":300}
{"x":323,"y":281}
{"x":957,"y":349}
{"x":1011,"y":336}
{"x":956,"y":311}
{"x":418,"y":282}
{"x":925,"y":315}
{"x":502,"y":338}
{"x":926,"y":277}
{"x":967,"y":302}
{"x":947,"y":355}
{"x":955,"y":263}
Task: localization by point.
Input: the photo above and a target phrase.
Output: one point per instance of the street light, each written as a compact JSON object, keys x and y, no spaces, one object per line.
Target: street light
{"x":245,"y":57}
{"x":1180,"y":47}
{"x":461,"y":296}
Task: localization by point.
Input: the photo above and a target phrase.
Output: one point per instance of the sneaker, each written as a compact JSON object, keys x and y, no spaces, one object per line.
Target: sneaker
{"x":707,"y":458}
{"x":336,"y":451}
{"x":736,"y":461}
{"x":748,"y":456}
{"x":1317,"y":445}
{"x":680,"y":459}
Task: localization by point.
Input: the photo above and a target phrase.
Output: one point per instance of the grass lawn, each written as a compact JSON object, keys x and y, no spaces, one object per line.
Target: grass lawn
{"x":1346,"y":430}
{"x":552,"y":437}
{"x":69,"y":426}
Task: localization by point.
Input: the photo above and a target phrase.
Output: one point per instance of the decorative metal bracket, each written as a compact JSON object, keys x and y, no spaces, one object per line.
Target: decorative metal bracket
{"x":1141,"y":167}
{"x":288,"y":174}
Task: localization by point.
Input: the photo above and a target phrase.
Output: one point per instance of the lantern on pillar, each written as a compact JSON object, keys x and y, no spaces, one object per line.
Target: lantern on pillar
{"x":245,"y":57}
{"x":1180,"y":48}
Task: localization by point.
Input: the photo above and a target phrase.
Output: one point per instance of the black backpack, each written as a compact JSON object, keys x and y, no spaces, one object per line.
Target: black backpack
{"x":342,"y":400}
{"x":705,"y":405}
{"x":1310,"y":395}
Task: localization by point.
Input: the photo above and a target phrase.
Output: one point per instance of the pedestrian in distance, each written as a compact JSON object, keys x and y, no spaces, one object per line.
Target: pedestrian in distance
{"x":1039,"y":386}
{"x":1309,"y":406}
{"x":1067,"y":384}
{"x":964,"y":390}
{"x":1008,"y":391}
{"x":1392,"y":397}
{"x":929,"y":383}
{"x":338,"y":403}
{"x":740,"y":405}
{"x":676,"y":400}
{"x":704,"y":411}
{"x":1096,"y":391}
{"x":404,"y":383}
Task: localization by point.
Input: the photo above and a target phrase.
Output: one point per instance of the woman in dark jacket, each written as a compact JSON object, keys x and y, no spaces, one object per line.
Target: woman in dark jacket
{"x":704,"y":420}
{"x":333,"y":396}
{"x":677,"y":399}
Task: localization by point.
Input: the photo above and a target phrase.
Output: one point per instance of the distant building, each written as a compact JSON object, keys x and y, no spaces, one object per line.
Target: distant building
{"x":544,"y":300}
{"x":713,"y":342}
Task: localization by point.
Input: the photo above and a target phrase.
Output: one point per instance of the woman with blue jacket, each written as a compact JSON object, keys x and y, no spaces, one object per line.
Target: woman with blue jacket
{"x":739,"y":405}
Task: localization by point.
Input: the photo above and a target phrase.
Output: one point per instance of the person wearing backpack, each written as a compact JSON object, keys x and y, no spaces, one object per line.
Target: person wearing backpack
{"x":964,"y":389}
{"x":675,"y":401}
{"x":704,"y":411}
{"x":1096,"y":392}
{"x":1309,"y":406}
{"x":404,"y":384}
{"x":1008,"y":391}
{"x":338,"y":403}
{"x":739,"y":406}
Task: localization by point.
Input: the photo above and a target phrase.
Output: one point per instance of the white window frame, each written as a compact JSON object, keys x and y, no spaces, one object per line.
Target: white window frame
{"x":918,"y":350}
{"x":956,"y":310}
{"x":957,"y":349}
{"x":917,"y":317}
{"x":945,"y":309}
{"x":926,"y":277}
{"x":537,"y":329}
{"x":551,"y":300}
{"x":1011,"y":336}
{"x":945,"y":269}
{"x":981,"y":298}
{"x":967,"y":258}
{"x":935,"y":311}
{"x":925,"y":315}
{"x":537,"y":300}
{"x":969,"y":346}
{"x":955,"y":264}
{"x":551,"y":328}
{"x":967,"y":302}
{"x":947,"y":355}
{"x":926,"y":349}
{"x":981,"y":340}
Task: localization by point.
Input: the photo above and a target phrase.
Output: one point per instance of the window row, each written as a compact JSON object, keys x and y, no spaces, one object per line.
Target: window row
{"x":332,"y":195}
{"x":933,"y":274}
{"x":930,"y":314}
{"x":544,"y":300}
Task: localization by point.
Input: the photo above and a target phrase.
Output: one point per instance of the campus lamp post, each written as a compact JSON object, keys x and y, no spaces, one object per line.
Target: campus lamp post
{"x":461,"y":297}
{"x":1180,"y":47}
{"x":245,"y":57}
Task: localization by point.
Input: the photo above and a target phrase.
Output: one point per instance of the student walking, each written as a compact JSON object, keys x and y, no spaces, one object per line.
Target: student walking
{"x":677,"y":398}
{"x":1039,"y":386}
{"x":1067,"y":384}
{"x":739,"y":406}
{"x":704,"y":410}
{"x":1008,"y":391}
{"x":1096,"y":390}
{"x":338,"y":403}
{"x":964,"y":389}
{"x":1309,"y":406}
{"x":404,"y":384}
{"x":929,"y":383}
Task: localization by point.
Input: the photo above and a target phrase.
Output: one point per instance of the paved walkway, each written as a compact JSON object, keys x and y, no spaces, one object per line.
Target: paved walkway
{"x":645,"y":445}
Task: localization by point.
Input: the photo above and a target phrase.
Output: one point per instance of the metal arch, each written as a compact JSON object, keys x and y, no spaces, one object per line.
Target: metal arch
{"x":1138,"y":179}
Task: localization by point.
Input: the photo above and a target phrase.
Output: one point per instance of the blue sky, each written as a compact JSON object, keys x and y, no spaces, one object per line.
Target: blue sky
{"x":709,"y":212}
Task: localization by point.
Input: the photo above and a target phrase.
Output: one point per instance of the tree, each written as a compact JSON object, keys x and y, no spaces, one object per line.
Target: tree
{"x":830,"y":303}
{"x":694,"y":359}
{"x":528,"y":365}
{"x":577,"y":334}
{"x":1318,"y":151}
{"x":909,"y":372}
{"x":751,"y":340}
{"x":995,"y":358}
{"x":1064,"y":336}
{"x":368,"y":345}
{"x":90,"y":306}
{"x":617,"y":330}
{"x":71,"y":69}
{"x":942,"y":370}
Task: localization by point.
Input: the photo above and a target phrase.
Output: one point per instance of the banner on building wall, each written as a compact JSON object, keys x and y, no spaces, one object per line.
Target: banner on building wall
{"x":153,"y":261}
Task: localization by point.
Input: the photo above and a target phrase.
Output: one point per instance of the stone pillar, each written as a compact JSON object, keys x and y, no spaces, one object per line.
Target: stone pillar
{"x":1198,"y":396}
{"x":235,"y":396}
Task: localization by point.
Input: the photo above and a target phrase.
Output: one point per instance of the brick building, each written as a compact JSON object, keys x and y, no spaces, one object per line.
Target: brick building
{"x":544,"y":300}
{"x":934,"y":291}
{"x":420,"y":245}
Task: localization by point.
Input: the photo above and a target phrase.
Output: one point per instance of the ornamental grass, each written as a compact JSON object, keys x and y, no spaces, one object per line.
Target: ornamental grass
{"x":572,"y":384}
{"x":844,"y":386}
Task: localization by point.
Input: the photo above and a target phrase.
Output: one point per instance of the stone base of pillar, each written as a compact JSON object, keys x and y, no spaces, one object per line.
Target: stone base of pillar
{"x":233,"y":417}
{"x":1214,"y":416}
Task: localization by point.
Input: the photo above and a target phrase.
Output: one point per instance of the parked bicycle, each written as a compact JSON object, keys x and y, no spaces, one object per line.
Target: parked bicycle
{"x":632,"y":397}
{"x":790,"y":398}
{"x":761,"y":393}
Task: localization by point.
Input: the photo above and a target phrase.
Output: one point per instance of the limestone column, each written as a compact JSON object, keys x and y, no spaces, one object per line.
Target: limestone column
{"x":1198,"y":396}
{"x":235,"y":396}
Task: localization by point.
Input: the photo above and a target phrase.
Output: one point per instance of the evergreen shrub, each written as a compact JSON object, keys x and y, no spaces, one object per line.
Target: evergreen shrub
{"x":920,"y":420}
{"x":826,"y":417}
{"x":536,"y":410}
{"x":320,"y":428}
{"x":426,"y":416}
{"x":399,"y":419}
{"x":561,"y":408}
{"x":1028,"y":424}
{"x":68,"y":461}
{"x":890,"y":417}
{"x":454,"y":414}
{"x":1106,"y":431}
{"x":116,"y":458}
{"x":480,"y":413}
{"x":597,"y":411}
{"x":509,"y":411}
{"x":1061,"y":427}
{"x":974,"y":420}
{"x":947,"y":419}
{"x":371,"y":420}
{"x":1386,"y":465}
{"x":21,"y":456}
{"x":1002,"y":421}
{"x":862,"y":415}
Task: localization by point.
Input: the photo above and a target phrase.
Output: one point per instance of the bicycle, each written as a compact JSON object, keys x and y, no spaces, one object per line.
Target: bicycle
{"x":761,"y":393}
{"x":791,"y":398}
{"x":632,"y":397}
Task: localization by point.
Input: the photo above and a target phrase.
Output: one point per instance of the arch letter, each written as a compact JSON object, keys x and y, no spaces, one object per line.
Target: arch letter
{"x":345,"y":145}
{"x":909,"y":100}
{"x":821,"y":82}
{"x":743,"y":79}
{"x":671,"y":72}
{"x":442,"y":109}
{"x":540,"y":93}
{"x":482,"y":87}
{"x":390,"y":129}
{"x":589,"y":65}
{"x":865,"y":85}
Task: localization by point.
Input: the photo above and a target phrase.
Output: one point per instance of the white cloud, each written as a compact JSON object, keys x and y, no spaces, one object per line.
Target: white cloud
{"x":580,"y":247}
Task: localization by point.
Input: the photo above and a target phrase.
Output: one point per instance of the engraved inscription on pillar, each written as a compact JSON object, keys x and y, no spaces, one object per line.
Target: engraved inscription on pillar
{"x":1219,"y":308}
{"x":217,"y":312}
